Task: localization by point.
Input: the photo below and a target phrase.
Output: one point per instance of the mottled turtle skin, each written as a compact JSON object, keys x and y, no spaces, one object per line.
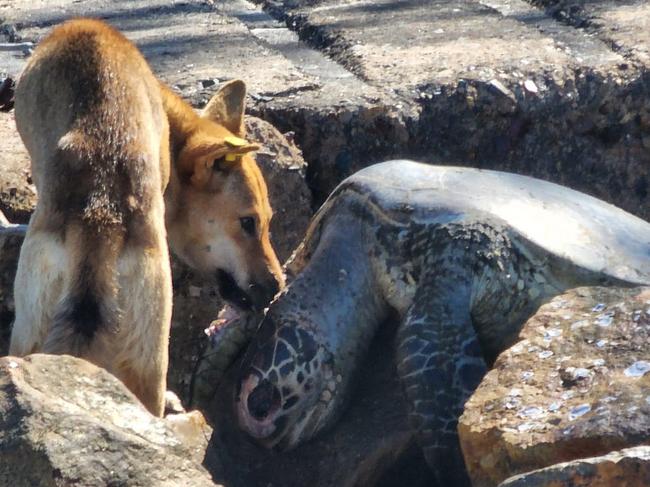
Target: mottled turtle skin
{"x":462,"y":256}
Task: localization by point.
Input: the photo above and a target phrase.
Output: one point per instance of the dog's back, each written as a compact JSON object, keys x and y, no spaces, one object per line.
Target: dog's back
{"x":93,"y":277}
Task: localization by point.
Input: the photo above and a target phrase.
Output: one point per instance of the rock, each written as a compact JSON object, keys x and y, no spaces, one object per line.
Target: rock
{"x":64,"y":421}
{"x":629,"y":468}
{"x":7,"y":87}
{"x":623,"y":24}
{"x":17,"y":193}
{"x":576,"y":385}
{"x":371,"y":437}
{"x":284,"y":170}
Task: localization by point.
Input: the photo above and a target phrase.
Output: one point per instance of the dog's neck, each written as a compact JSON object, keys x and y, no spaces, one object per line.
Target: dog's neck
{"x":182,"y":122}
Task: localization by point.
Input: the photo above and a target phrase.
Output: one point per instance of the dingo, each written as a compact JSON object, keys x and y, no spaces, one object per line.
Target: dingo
{"x":93,"y":276}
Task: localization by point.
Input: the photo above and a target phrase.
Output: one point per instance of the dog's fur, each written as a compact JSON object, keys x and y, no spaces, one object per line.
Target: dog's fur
{"x":93,"y":276}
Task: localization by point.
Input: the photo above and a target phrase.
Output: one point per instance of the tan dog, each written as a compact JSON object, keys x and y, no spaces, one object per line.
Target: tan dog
{"x":93,"y":277}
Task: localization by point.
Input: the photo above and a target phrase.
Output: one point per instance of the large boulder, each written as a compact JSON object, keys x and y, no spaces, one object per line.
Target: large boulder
{"x":577,"y":385}
{"x":64,"y":421}
{"x":629,"y":468}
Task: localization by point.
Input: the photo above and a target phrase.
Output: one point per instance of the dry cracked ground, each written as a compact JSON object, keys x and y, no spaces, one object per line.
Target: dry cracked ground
{"x":557,"y":89}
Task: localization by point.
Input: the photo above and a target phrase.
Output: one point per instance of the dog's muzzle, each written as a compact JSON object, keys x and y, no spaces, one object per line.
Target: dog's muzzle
{"x":256,"y":297}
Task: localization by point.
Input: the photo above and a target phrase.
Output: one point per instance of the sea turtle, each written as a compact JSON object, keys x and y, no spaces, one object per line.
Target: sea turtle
{"x":463,"y":256}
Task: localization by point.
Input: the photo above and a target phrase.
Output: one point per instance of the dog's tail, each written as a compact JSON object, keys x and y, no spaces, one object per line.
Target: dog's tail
{"x":89,"y":305}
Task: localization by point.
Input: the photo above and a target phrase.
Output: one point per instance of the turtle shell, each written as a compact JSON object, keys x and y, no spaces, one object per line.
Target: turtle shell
{"x":584,"y":230}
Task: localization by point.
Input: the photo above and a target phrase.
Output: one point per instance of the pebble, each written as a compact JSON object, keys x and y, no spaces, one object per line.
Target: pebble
{"x":530,"y":85}
{"x":604,"y":320}
{"x":531,"y":412}
{"x":637,"y":369}
{"x":579,"y":324}
{"x":552,"y":333}
{"x":580,"y":373}
{"x":567,"y":395}
{"x":512,"y":403}
{"x":578,"y":411}
{"x":525,"y":427}
{"x":559,"y":303}
{"x":598,"y":308}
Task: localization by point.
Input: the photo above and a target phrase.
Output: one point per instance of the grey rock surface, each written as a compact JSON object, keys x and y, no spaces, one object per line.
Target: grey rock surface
{"x":17,"y":193}
{"x":576,"y":385}
{"x":65,"y":422}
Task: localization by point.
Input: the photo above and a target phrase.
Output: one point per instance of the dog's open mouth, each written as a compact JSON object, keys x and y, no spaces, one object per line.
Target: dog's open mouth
{"x":231,"y":292}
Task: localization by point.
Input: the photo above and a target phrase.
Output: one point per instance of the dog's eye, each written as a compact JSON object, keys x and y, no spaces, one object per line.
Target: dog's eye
{"x":248,"y":224}
{"x":219,"y":164}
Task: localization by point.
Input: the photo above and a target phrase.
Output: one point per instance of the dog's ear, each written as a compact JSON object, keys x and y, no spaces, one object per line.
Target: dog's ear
{"x":227,"y":107}
{"x":206,"y":160}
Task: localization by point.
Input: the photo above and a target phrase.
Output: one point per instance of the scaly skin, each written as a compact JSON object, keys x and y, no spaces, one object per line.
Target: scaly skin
{"x":306,"y":349}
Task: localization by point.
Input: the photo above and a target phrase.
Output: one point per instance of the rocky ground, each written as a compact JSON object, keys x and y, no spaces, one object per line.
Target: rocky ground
{"x":558,"y":89}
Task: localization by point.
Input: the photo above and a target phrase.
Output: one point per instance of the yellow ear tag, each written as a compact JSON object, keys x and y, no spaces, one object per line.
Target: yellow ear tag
{"x":233,"y":157}
{"x":233,"y":141}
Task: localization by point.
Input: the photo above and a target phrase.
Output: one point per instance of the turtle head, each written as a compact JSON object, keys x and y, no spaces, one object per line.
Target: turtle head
{"x":287,"y":388}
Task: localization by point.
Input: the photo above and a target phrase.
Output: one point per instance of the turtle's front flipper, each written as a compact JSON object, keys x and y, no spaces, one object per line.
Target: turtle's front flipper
{"x":440,"y":363}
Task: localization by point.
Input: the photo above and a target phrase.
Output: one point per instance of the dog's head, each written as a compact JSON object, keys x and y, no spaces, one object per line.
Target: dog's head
{"x":220,"y":223}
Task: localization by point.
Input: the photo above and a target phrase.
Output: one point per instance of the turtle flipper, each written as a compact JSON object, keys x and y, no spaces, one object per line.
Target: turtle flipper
{"x":440,"y":364}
